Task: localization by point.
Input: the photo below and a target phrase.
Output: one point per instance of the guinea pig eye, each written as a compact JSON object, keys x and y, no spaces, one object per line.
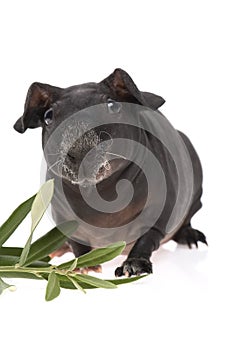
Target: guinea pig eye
{"x":113,"y":106}
{"x":48,"y":116}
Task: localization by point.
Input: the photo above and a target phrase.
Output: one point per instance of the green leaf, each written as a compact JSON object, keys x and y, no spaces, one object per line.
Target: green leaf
{"x":96,"y":256}
{"x":53,"y":287}
{"x":25,"y":251}
{"x":76,"y":284}
{"x":39,"y":206}
{"x":50,"y":241}
{"x":101,"y":255}
{"x":16,"y":274}
{"x":4,"y":285}
{"x":119,"y":281}
{"x":73,"y":265}
{"x":16,"y":251}
{"x":15,"y":220}
{"x":41,"y":202}
{"x":93,"y":281}
{"x":10,"y":260}
{"x":67,"y":284}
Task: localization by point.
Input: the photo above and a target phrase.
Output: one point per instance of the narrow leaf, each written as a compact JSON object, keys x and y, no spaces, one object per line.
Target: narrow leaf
{"x":119,"y":281}
{"x":76,"y":284}
{"x":53,"y":287}
{"x":16,"y":251}
{"x":8,"y":260}
{"x":4,"y":285}
{"x":25,"y":251}
{"x":15,"y":220}
{"x":93,"y":281}
{"x":39,"y":207}
{"x":66,"y":283}
{"x":73,"y":265}
{"x":16,"y":274}
{"x":51,"y":241}
{"x":41,"y":202}
{"x":101,"y":255}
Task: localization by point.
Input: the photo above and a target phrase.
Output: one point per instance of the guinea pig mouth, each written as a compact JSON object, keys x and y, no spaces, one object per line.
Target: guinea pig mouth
{"x":103,"y":171}
{"x":99,"y":173}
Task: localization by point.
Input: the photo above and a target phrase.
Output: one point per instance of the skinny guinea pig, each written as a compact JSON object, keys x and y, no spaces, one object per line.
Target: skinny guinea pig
{"x":53,"y":108}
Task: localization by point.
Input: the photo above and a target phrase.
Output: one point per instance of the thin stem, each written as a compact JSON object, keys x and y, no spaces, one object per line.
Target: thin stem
{"x":35,"y":270}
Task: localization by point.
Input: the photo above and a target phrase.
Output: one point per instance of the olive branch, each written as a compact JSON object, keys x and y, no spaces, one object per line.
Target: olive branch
{"x":33,"y":260}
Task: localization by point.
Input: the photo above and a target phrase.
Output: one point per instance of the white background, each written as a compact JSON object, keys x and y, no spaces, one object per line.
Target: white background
{"x":181,"y":50}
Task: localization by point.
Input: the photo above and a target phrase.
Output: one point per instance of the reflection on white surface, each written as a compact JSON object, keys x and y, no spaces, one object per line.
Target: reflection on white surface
{"x":179,"y":296}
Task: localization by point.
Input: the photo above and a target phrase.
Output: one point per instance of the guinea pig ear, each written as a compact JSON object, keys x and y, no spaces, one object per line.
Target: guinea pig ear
{"x":39,"y":98}
{"x":123,"y":87}
{"x":153,"y":101}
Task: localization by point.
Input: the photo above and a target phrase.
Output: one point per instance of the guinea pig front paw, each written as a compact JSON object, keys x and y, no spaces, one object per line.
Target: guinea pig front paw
{"x":134,"y":266}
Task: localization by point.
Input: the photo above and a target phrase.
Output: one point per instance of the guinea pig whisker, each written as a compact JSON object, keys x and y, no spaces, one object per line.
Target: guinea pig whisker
{"x":115,"y":154}
{"x":58,"y":162}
